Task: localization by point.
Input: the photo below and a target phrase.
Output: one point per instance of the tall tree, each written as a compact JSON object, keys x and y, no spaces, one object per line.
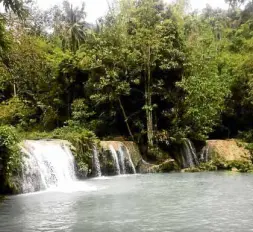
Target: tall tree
{"x":70,"y":25}
{"x":235,"y":3}
{"x":15,"y":5}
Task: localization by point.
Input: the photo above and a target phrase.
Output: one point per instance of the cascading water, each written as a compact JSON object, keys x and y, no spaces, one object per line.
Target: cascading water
{"x":122,"y":163}
{"x":119,"y":156}
{"x":95,"y":163}
{"x":189,"y":155}
{"x":47,"y":164}
{"x":115,"y":159}
{"x":204,"y":154}
{"x":125,"y":153}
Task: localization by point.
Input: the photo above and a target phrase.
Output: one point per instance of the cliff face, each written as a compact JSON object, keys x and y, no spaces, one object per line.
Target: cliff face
{"x":229,"y":150}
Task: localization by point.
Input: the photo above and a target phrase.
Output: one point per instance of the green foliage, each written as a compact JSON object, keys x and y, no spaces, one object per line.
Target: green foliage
{"x":168,"y":166}
{"x":30,"y":71}
{"x":221,"y":164}
{"x":158,"y":154}
{"x":15,"y":5}
{"x":70,"y":25}
{"x":4,"y":40}
{"x":10,"y":158}
{"x":83,"y":141}
{"x":235,"y":3}
{"x":148,"y":71}
{"x":240,"y":166}
{"x":247,"y":138}
{"x":15,"y":112}
{"x":80,"y":113}
{"x":205,"y":85}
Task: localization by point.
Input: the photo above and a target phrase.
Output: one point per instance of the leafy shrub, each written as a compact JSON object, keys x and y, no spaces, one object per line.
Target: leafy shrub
{"x":15,"y":112}
{"x":246,"y":136}
{"x":222,"y":164}
{"x":242,"y":166}
{"x":209,"y":166}
{"x":83,"y":140}
{"x":10,"y":158}
{"x":80,"y":111}
{"x":158,"y":154}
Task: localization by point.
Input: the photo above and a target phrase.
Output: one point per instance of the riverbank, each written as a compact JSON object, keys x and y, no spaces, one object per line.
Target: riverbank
{"x":68,"y":154}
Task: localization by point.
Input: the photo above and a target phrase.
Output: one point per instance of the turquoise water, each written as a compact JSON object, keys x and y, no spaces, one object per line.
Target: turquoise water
{"x":194,"y":202}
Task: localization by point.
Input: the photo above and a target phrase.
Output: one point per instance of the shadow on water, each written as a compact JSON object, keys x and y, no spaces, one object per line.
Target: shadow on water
{"x":1,"y":199}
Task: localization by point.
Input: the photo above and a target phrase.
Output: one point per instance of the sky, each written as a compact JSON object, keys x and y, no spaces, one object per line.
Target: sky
{"x":98,"y":8}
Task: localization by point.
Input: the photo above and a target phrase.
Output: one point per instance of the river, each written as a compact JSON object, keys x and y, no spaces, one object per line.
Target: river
{"x":194,"y":202}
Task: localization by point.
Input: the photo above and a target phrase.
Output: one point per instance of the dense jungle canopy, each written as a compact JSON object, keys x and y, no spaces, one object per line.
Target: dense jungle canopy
{"x":147,"y":71}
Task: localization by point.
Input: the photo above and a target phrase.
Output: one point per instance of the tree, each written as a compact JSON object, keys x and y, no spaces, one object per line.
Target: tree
{"x":235,"y":3}
{"x":109,"y":80}
{"x":70,"y":25}
{"x":206,"y":83}
{"x":131,"y":59}
{"x":31,"y":67}
{"x":158,"y":45}
{"x":15,"y":5}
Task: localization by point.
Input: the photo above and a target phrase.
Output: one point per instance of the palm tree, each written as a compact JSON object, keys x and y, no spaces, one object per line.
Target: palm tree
{"x":15,"y":5}
{"x":71,"y":26}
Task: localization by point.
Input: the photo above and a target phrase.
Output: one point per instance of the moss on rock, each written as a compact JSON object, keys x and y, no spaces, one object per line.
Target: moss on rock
{"x":134,"y":151}
{"x":168,"y":165}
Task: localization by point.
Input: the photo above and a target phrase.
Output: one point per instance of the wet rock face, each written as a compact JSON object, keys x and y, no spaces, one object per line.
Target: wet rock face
{"x":187,"y":156}
{"x":32,"y":183}
{"x":134,"y":151}
{"x":82,"y":172}
{"x":145,"y":167}
{"x":229,"y":150}
{"x":30,"y":179}
{"x":168,"y":165}
{"x":106,"y":163}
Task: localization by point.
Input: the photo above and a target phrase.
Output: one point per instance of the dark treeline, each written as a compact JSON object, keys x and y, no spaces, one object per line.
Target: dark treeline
{"x":147,"y":71}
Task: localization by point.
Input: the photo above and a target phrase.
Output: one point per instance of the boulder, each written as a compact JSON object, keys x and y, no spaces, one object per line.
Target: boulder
{"x":228,"y":150}
{"x":168,"y":165}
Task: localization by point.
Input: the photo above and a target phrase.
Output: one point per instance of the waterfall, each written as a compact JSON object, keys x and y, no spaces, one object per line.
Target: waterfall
{"x":189,"y":155}
{"x":46,"y":164}
{"x":204,"y":154}
{"x":95,"y":163}
{"x":115,"y":159}
{"x":122,"y":163}
{"x":125,"y":153}
{"x":117,"y":154}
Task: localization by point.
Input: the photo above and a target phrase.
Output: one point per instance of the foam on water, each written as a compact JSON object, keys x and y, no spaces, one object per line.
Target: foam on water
{"x":48,"y":164}
{"x":102,"y":178}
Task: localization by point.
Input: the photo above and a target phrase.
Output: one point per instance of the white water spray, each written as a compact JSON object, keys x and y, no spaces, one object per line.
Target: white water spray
{"x":115,"y":159}
{"x":189,"y":155}
{"x":96,"y":163}
{"x":47,"y":164}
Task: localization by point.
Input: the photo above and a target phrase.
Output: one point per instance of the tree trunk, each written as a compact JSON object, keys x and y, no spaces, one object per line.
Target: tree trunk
{"x":126,"y":119}
{"x":148,"y":98}
{"x":14,"y":89}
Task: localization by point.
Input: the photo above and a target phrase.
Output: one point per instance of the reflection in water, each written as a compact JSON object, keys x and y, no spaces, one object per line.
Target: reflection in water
{"x":176,"y":202}
{"x":1,"y":199}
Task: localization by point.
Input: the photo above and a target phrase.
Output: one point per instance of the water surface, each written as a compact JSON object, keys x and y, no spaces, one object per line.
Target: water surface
{"x":197,"y":202}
